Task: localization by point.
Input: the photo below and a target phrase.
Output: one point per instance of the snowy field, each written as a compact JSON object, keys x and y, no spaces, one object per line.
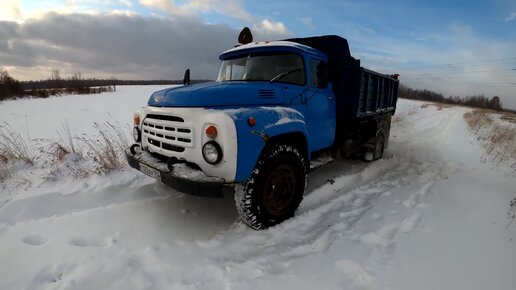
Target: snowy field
{"x":433,"y":214}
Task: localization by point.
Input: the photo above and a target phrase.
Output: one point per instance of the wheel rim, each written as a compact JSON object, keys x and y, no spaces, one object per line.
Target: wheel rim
{"x":280,"y":190}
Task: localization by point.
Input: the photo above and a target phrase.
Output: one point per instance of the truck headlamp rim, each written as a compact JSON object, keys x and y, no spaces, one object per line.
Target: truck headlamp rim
{"x":212,"y":152}
{"x":136,"y":134}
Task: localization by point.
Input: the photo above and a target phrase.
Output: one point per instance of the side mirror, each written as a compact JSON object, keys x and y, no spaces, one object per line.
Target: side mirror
{"x":186,"y":79}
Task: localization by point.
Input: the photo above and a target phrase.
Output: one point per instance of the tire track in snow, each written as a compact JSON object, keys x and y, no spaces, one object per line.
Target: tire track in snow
{"x":335,"y":219}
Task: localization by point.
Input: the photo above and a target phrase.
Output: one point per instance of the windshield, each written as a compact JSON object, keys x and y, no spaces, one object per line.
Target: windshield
{"x":285,"y":68}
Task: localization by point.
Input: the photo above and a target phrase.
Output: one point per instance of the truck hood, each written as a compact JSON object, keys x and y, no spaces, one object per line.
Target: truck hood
{"x":219,"y":94}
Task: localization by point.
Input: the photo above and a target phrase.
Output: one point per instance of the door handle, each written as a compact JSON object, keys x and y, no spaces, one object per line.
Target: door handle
{"x":331,"y":97}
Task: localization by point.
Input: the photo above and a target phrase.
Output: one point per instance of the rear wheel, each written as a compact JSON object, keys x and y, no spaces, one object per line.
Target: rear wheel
{"x":373,"y":150}
{"x":275,"y":188}
{"x":379,"y":146}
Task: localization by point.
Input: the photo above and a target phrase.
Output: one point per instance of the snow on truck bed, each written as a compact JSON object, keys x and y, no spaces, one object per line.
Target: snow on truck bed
{"x":433,"y":214}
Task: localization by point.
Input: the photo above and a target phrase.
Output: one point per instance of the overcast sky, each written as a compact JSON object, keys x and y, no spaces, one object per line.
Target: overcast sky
{"x":452,"y":47}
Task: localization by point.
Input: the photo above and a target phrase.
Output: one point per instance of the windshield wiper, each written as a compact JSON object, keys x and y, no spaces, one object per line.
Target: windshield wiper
{"x":284,"y":74}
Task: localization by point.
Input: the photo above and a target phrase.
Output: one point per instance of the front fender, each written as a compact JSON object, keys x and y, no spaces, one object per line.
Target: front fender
{"x":270,"y":122}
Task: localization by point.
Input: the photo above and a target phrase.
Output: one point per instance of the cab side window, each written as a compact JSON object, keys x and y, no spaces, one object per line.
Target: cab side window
{"x":318,"y":73}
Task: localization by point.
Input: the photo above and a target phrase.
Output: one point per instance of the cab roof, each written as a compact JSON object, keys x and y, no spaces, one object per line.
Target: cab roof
{"x":266,"y":46}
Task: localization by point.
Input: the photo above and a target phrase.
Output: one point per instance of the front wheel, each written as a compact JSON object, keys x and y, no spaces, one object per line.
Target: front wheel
{"x":275,"y":188}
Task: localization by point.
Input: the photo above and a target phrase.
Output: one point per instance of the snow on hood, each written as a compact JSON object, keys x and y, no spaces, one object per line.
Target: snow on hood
{"x":213,"y":94}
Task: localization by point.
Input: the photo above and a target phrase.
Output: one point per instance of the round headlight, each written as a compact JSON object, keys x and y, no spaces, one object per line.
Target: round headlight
{"x":136,"y":134}
{"x":212,"y":152}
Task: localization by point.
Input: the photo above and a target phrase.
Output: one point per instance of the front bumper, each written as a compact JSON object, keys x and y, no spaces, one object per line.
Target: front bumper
{"x":182,"y":178}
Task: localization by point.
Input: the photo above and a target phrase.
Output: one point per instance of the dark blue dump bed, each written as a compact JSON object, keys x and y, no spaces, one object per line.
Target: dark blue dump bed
{"x":360,"y":92}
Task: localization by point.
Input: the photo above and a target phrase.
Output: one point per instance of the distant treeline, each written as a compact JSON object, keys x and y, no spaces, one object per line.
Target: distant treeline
{"x":12,"y":88}
{"x":479,"y":101}
{"x":76,"y":83}
{"x":9,"y":86}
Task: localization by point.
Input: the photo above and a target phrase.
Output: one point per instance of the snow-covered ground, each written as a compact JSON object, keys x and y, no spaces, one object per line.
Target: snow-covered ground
{"x":433,"y":214}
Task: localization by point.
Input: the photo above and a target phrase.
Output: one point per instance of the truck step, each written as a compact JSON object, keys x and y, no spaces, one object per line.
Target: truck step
{"x":320,"y":162}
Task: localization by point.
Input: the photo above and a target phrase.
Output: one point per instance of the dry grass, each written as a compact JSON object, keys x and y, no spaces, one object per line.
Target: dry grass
{"x":397,"y":118}
{"x":439,"y":106}
{"x":107,"y":149}
{"x":69,"y":155}
{"x":86,"y":155}
{"x":66,"y":138}
{"x":58,"y":152}
{"x":497,"y":137}
{"x":6,"y":170}
{"x":13,"y":146}
{"x":508,"y":117}
{"x":511,"y":214}
{"x":412,"y":111}
{"x":66,"y":144}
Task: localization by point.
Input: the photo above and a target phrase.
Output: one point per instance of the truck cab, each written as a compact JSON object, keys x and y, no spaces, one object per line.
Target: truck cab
{"x":251,"y":133}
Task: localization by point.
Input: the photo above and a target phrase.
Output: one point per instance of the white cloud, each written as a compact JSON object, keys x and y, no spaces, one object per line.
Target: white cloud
{"x":164,"y":5}
{"x":307,"y":21}
{"x":10,"y":10}
{"x":105,"y":44}
{"x":230,"y":8}
{"x":127,"y":3}
{"x":263,"y":30}
{"x":451,"y":62}
{"x":511,"y":17}
{"x":269,"y":28}
{"x":123,"y":12}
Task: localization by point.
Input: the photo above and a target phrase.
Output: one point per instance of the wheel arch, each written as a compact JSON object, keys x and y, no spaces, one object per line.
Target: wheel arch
{"x":296,"y":139}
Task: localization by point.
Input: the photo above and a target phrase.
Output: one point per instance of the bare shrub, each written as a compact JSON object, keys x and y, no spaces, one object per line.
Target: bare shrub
{"x":107,"y":149}
{"x":13,"y":145}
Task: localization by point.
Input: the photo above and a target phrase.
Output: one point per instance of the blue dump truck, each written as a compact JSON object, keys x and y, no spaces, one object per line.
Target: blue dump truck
{"x":277,"y":111}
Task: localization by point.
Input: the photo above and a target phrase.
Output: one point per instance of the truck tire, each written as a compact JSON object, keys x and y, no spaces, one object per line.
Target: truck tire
{"x":379,"y":146}
{"x":374,"y":149}
{"x":275,"y":188}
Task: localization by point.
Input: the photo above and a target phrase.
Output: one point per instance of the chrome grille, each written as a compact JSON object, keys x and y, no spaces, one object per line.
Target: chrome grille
{"x":169,"y":133}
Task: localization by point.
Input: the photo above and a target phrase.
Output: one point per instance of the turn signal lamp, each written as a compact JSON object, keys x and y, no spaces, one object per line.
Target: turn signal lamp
{"x":251,"y":121}
{"x":136,"y":120}
{"x":211,"y":132}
